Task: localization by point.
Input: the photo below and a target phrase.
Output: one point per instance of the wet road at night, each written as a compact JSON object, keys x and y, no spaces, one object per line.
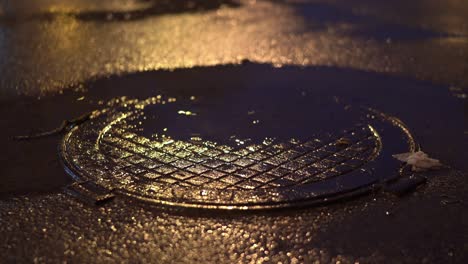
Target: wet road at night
{"x":291,"y":68}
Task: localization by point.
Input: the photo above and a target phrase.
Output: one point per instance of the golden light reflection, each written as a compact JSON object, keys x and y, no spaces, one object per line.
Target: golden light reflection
{"x":187,"y":113}
{"x":67,"y":50}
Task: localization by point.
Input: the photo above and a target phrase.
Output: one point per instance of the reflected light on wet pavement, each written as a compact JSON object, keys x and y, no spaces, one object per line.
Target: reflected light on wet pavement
{"x":302,"y":33}
{"x":230,"y":131}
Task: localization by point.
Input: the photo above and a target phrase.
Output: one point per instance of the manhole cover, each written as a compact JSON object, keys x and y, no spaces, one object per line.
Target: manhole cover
{"x":248,"y":149}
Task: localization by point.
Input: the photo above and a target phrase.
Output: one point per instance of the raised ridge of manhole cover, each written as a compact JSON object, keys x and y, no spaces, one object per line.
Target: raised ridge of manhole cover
{"x":236,"y":151}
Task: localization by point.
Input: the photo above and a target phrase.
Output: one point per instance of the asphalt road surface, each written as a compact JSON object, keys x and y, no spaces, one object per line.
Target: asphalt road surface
{"x":62,"y":59}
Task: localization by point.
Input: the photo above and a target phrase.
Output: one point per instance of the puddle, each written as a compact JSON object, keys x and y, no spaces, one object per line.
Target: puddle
{"x":239,"y":149}
{"x":237,"y":106}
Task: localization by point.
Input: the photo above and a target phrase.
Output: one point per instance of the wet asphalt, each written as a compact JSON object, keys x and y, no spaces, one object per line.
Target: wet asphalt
{"x":60,"y":60}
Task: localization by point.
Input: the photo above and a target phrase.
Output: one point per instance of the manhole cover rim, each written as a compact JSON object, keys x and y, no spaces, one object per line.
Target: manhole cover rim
{"x":82,"y":176}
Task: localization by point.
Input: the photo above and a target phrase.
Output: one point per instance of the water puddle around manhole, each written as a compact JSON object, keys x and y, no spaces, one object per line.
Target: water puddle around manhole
{"x":247,"y":132}
{"x":242,"y":149}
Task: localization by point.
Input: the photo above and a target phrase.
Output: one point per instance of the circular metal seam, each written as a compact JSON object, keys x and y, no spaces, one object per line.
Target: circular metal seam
{"x":79,"y":176}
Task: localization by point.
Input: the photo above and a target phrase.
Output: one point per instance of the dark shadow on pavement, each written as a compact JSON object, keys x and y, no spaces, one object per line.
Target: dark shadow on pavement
{"x":34,"y":166}
{"x":154,"y":8}
{"x":322,"y":16}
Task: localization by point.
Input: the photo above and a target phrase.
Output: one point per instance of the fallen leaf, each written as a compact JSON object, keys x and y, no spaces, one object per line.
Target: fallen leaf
{"x":419,"y":161}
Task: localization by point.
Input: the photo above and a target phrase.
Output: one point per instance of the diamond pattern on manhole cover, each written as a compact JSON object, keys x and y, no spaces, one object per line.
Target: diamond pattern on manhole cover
{"x":126,"y":149}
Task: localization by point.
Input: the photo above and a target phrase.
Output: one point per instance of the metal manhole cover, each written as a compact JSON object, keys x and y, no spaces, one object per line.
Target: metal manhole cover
{"x":235,"y":151}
